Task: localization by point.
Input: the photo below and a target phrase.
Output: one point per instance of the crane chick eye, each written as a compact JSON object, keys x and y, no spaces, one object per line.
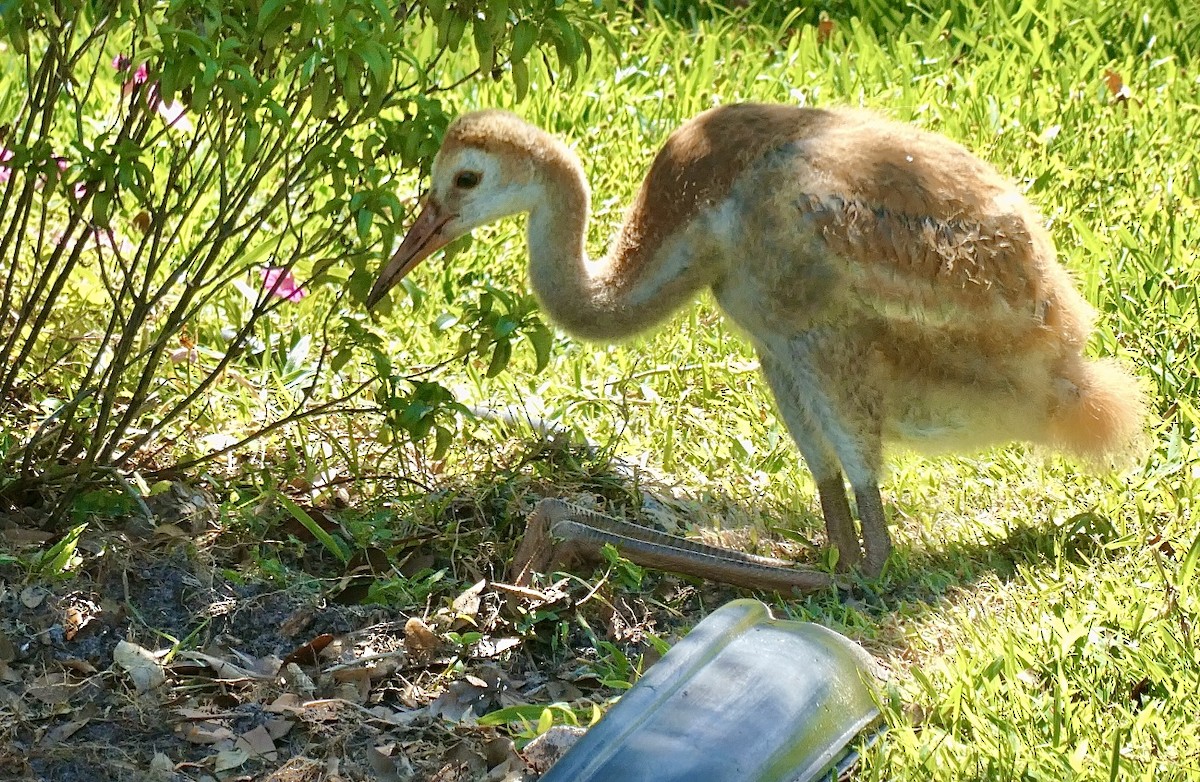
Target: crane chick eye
{"x":467,"y":179}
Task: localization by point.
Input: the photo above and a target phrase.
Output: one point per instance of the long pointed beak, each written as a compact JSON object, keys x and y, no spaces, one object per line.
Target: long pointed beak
{"x":423,"y":239}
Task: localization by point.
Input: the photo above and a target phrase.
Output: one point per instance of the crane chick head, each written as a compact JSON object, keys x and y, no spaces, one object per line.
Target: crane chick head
{"x":486,"y":169}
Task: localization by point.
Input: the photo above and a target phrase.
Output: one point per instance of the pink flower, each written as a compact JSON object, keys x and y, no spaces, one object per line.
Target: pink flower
{"x":140,"y":77}
{"x":278,"y":281}
{"x":120,"y":62}
{"x":5,"y":171}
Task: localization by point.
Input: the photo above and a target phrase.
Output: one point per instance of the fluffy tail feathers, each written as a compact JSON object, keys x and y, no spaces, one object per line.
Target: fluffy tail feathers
{"x":1101,"y":415}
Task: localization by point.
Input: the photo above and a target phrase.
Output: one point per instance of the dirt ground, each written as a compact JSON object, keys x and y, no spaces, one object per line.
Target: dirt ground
{"x":152,"y":659}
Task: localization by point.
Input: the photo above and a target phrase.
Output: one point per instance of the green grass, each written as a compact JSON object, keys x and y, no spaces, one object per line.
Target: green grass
{"x":1036,"y":621}
{"x":1030,"y":629}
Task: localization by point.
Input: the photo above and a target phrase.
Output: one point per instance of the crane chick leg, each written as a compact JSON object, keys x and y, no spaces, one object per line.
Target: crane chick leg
{"x":821,"y":460}
{"x":874,"y":529}
{"x":839,"y":524}
{"x":856,"y":436}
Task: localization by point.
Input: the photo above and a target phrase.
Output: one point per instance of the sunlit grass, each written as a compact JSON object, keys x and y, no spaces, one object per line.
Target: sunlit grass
{"x":1035,"y":618}
{"x":1032,"y":630}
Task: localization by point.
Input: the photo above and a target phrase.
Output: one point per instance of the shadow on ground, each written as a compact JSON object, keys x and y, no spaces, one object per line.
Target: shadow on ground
{"x":243,"y":651}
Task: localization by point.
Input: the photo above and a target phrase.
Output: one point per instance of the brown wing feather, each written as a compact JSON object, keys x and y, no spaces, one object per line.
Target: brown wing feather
{"x":925,"y":231}
{"x":933,"y":269}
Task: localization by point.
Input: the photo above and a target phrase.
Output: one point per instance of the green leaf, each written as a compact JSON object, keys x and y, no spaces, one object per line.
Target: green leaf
{"x":252,"y":137}
{"x":322,"y":92}
{"x":524,"y":36}
{"x":483,"y":46}
{"x":520,"y":75}
{"x":504,"y":327}
{"x":496,"y":17}
{"x":522,"y":713}
{"x":1187,"y":569}
{"x":444,"y":439}
{"x":167,"y":81}
{"x":340,"y":359}
{"x":376,"y":59}
{"x":501,"y":355}
{"x":330,"y":543}
{"x":57,"y":559}
{"x":101,"y":207}
{"x":542,"y":340}
{"x":267,"y":12}
{"x":545,"y":721}
{"x":362,"y":224}
{"x":458,"y":26}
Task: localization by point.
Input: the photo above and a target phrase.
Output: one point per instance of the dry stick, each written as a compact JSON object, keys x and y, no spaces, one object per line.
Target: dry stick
{"x":126,"y":358}
{"x":44,"y":276}
{"x":60,"y":281}
{"x":235,"y":346}
{"x":59,"y":412}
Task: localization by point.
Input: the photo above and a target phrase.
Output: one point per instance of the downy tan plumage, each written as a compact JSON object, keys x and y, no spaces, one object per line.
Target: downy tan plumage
{"x":895,"y":286}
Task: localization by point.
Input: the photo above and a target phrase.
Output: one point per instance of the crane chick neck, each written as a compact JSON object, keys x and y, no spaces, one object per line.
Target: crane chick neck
{"x":513,"y":167}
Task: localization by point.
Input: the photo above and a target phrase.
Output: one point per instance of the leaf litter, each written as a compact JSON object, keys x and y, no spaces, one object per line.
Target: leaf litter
{"x":152,"y":664}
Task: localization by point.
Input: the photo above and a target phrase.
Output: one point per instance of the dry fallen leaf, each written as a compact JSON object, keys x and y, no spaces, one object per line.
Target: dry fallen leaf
{"x":420,"y":642}
{"x":825,"y":29}
{"x":162,"y":769}
{"x":308,"y":654}
{"x":308,"y":711}
{"x":467,"y":604}
{"x":7,"y":651}
{"x":20,"y":537}
{"x":300,"y":769}
{"x":224,"y":670}
{"x":299,"y":680}
{"x":382,"y":765}
{"x":548,"y":748}
{"x":458,"y":702}
{"x":257,"y":742}
{"x":205,"y":732}
{"x":32,"y":596}
{"x":142,"y":221}
{"x":81,"y":667}
{"x":143,"y":667}
{"x":278,"y":727}
{"x":229,"y":759}
{"x":353,"y":684}
{"x":73,"y":621}
{"x":296,"y":623}
{"x":493,"y":647}
{"x":1163,"y":545}
{"x":51,"y":688}
{"x":1116,"y":85}
{"x":288,"y":703}
{"x":63,"y":732}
